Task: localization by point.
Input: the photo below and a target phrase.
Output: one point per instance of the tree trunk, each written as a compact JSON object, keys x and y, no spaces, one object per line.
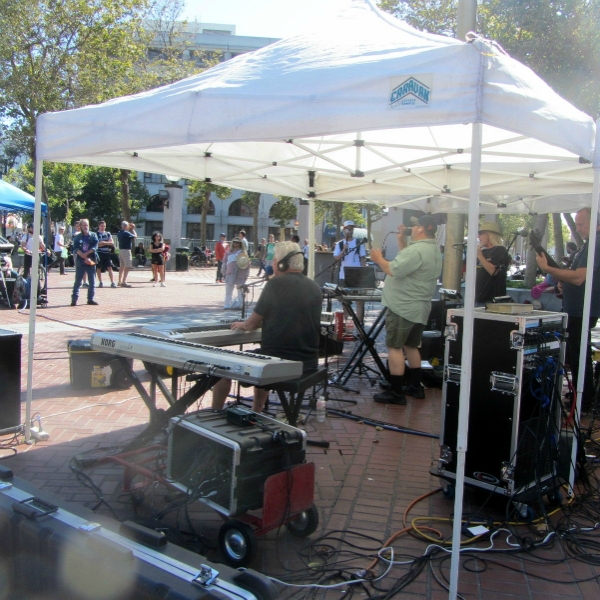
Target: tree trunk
{"x":338,"y":208}
{"x":559,"y":243}
{"x":125,"y":204}
{"x":571,"y":224}
{"x":205,"y":207}
{"x":541,"y":222}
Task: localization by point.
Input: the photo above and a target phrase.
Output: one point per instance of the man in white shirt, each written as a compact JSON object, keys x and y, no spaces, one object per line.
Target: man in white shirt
{"x":27,"y":245}
{"x":349,"y":251}
{"x":59,"y":244}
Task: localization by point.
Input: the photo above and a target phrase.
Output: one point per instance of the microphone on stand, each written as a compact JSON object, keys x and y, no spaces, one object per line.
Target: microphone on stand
{"x":523,"y":232}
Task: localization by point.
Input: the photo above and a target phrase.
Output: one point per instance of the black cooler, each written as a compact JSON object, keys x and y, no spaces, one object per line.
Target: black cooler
{"x":91,"y":369}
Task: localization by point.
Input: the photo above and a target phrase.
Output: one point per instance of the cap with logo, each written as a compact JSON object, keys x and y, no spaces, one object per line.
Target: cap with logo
{"x":348,"y":223}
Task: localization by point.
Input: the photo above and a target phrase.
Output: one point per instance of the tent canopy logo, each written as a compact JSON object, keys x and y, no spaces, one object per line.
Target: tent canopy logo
{"x":414,"y":90}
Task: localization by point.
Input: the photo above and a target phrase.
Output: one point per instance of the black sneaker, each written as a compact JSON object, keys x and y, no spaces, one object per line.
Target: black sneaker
{"x":73,"y":302}
{"x":390,"y":397}
{"x":414,"y":391}
{"x":93,"y":302}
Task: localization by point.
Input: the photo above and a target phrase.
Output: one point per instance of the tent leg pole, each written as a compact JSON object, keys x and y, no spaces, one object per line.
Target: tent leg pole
{"x":587,"y":300}
{"x":467,"y":354}
{"x":37,"y":218}
{"x":311,"y":239}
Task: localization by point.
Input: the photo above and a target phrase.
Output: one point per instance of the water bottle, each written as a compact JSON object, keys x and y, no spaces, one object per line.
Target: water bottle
{"x":321,"y":411}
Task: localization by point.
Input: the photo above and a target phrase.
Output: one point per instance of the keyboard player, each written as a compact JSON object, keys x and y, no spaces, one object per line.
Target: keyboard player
{"x":289,"y":313}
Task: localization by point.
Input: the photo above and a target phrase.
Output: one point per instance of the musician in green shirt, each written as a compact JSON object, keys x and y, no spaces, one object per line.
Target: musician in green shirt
{"x":407,"y":293}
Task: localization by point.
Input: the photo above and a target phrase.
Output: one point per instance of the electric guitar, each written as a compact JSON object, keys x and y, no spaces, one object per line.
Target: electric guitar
{"x":535,"y":240}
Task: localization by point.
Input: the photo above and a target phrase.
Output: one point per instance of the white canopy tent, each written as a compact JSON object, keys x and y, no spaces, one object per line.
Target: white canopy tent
{"x":363,"y":108}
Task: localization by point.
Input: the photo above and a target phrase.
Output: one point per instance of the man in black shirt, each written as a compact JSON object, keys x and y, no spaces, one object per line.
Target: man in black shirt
{"x":492,"y":264}
{"x":289,"y":312}
{"x":573,"y":283}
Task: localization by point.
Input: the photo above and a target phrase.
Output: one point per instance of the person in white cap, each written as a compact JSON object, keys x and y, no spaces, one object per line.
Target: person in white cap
{"x":350,"y":252}
{"x":59,"y":244}
{"x":237,"y":268}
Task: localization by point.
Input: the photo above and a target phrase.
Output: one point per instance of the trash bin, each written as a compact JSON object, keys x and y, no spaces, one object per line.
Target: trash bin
{"x":182,"y":259}
{"x":91,"y":369}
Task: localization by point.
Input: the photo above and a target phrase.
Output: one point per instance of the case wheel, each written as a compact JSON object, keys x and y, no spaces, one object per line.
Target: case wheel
{"x":237,"y":543}
{"x":305,"y":523}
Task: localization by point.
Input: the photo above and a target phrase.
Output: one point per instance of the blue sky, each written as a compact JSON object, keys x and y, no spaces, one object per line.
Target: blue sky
{"x":264,"y":18}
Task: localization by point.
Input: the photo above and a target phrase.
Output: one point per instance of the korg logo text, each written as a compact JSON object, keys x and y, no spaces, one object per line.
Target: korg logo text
{"x":410,"y":92}
{"x":108,"y":343}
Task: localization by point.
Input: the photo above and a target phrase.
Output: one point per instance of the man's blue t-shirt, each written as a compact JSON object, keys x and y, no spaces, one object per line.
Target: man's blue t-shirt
{"x":573,"y":294}
{"x":84,"y":243}
{"x":125,"y":239}
{"x":104,"y":237}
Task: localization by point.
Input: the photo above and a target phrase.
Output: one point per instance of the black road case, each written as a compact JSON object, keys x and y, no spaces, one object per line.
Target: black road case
{"x":514,"y":404}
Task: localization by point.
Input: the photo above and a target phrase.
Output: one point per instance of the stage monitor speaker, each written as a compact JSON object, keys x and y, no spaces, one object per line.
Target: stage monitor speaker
{"x":226,"y":464}
{"x":10,"y":379}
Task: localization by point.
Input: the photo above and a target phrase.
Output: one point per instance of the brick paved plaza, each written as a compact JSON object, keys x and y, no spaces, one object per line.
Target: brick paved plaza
{"x":366,"y":480}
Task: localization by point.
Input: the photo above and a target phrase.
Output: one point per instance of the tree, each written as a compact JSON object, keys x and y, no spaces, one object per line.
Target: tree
{"x":335,"y":213}
{"x":284,"y":211}
{"x":199,"y":193}
{"x":61,"y":54}
{"x":574,"y":233}
{"x":560,"y":41}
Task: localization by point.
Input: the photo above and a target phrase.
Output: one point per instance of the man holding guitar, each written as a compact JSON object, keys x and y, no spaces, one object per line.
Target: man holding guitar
{"x":573,"y":284}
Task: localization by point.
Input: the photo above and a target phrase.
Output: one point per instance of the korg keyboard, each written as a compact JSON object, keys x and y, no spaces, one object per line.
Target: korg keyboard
{"x":247,"y":367}
{"x":214,"y":332}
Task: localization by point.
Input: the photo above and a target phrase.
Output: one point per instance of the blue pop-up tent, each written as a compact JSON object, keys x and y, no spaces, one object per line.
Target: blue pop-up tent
{"x":14,"y":199}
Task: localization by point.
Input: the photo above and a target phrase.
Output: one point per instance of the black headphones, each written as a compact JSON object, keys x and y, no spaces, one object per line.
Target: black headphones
{"x":284,"y":263}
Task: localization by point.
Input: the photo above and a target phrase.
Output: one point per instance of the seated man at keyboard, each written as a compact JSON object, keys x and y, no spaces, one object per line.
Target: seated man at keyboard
{"x":289,"y":312}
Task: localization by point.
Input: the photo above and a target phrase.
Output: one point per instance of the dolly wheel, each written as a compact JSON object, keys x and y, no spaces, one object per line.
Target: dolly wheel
{"x":305,"y":523}
{"x":237,"y":543}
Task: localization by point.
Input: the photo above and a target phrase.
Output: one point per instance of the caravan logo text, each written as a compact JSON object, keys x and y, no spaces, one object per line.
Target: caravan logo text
{"x":410,"y":92}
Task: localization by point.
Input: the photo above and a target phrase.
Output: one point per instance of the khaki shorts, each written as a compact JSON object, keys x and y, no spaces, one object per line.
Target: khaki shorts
{"x":125,"y":259}
{"x":400,"y":332}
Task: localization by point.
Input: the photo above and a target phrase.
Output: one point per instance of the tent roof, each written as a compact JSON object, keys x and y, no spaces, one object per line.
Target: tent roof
{"x":15,"y":199}
{"x":363,"y":108}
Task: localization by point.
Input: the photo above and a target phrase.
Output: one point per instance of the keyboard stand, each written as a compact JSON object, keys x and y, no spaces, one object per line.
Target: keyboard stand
{"x":177,"y":406}
{"x":367,"y":344}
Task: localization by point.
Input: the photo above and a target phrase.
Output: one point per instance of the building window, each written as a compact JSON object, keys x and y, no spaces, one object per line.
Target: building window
{"x":155,"y":204}
{"x":197,"y":210}
{"x":151,"y":226}
{"x":240,"y":209}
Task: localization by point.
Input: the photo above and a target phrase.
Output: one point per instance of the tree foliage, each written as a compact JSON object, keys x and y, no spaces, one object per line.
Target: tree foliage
{"x":559,"y":40}
{"x":59,"y":54}
{"x":284,"y":211}
{"x":78,"y":191}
